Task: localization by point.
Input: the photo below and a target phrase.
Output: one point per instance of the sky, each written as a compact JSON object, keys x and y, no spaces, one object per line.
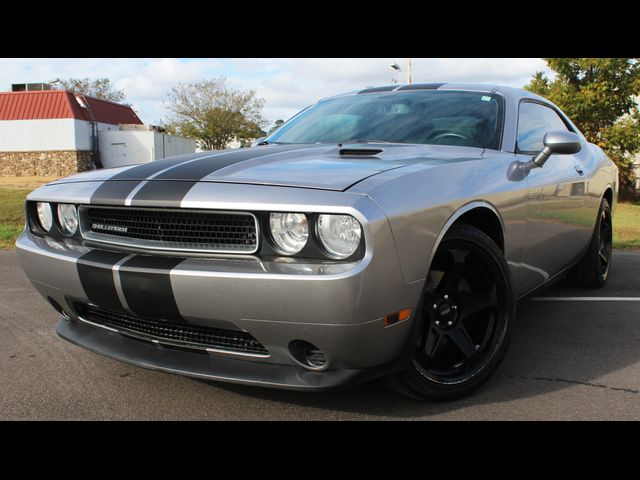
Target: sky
{"x":286,"y":84}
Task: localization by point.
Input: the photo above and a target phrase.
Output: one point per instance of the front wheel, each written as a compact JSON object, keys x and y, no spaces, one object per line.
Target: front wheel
{"x":467,"y":311}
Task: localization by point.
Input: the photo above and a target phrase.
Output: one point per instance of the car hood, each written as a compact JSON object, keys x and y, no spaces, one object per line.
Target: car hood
{"x":326,"y":167}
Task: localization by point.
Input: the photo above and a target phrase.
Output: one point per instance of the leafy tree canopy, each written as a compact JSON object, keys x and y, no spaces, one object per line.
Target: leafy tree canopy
{"x":98,"y":88}
{"x":276,"y":125}
{"x":214,"y":114}
{"x":600,"y":96}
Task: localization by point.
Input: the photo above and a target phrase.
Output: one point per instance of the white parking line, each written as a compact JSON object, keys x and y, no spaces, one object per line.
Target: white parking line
{"x":587,"y":299}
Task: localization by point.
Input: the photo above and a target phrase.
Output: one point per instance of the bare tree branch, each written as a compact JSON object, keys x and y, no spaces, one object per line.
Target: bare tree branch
{"x":98,"y":88}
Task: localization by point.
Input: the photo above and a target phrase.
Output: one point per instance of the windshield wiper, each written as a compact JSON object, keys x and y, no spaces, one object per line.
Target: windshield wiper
{"x":269,"y":142}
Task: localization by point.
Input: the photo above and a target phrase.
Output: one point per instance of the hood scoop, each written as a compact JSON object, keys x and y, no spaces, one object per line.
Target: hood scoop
{"x":360,"y":152}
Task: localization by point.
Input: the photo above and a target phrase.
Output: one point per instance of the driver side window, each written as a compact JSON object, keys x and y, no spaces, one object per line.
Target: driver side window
{"x":534,"y":121}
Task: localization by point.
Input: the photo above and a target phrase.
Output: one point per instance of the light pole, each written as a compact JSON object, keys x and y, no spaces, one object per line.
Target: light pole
{"x":396,"y":67}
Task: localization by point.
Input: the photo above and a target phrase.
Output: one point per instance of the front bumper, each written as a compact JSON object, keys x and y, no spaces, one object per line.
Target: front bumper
{"x":209,"y":366}
{"x":337,"y":307}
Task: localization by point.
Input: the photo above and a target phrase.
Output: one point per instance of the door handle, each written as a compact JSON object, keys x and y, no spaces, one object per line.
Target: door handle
{"x":579,"y":169}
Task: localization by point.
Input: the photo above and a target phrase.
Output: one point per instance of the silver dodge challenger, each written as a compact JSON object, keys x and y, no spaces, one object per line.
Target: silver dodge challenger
{"x":387,"y":232}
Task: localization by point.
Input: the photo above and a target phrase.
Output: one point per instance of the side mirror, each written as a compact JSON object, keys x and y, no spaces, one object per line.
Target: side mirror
{"x":560,"y":142}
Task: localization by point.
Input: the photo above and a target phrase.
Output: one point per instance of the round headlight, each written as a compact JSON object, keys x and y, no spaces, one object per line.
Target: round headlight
{"x":45,"y":217}
{"x":68,"y":217}
{"x":340,"y":234}
{"x":289,"y":231}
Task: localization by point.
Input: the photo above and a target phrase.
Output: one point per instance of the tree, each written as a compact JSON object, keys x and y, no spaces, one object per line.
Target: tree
{"x":214,"y":114}
{"x":276,"y":125}
{"x":98,"y":88}
{"x":600,"y":96}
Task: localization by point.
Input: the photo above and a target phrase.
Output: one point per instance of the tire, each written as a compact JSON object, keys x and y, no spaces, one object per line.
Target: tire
{"x":593,"y":269}
{"x":465,"y":320}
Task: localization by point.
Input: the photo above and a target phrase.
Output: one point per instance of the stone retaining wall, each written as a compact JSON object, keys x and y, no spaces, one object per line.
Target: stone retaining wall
{"x":52,"y":163}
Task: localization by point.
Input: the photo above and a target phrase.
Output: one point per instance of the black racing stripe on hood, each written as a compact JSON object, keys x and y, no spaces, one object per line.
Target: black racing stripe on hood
{"x":113,"y":192}
{"x":171,"y":187}
{"x":192,"y":168}
{"x":145,"y":170}
{"x":149,"y":294}
{"x":169,"y":194}
{"x":195,"y":171}
{"x":96,"y":276}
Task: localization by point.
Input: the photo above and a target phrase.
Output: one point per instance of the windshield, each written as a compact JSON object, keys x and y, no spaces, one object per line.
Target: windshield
{"x":470,"y":119}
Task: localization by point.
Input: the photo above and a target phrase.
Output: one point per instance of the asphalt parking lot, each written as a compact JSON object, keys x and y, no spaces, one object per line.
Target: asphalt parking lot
{"x":575,"y":355}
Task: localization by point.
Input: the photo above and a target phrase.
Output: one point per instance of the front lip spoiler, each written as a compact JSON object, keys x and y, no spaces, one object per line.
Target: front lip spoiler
{"x":208,"y":366}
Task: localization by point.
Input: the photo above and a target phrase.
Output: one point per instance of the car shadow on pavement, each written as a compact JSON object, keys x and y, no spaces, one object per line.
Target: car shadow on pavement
{"x":555,"y":345}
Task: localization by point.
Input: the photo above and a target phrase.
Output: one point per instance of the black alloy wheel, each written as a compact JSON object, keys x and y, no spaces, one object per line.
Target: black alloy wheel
{"x":593,"y":269}
{"x":467,"y":312}
{"x":605,"y":242}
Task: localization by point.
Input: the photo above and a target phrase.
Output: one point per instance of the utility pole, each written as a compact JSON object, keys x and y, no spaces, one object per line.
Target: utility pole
{"x":409,"y":72}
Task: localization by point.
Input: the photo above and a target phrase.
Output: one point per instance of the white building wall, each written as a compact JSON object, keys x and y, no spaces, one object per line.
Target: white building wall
{"x":44,"y":135}
{"x":107,"y":126}
{"x":170,"y":145}
{"x":83,"y":132}
{"x":127,"y":147}
{"x":120,"y":148}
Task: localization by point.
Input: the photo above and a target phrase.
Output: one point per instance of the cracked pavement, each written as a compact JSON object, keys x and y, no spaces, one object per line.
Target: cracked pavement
{"x":568,"y":360}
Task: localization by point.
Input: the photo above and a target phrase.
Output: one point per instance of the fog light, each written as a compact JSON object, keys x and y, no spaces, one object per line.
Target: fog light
{"x":308,"y":355}
{"x":315,"y":358}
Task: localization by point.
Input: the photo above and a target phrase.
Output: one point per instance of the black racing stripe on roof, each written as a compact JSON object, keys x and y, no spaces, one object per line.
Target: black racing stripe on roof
{"x":422,"y":86}
{"x":378,"y":89}
{"x":165,"y":193}
{"x":149,"y":293}
{"x":96,"y":276}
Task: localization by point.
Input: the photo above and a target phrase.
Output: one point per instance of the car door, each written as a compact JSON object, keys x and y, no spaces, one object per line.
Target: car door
{"x":555,"y":214}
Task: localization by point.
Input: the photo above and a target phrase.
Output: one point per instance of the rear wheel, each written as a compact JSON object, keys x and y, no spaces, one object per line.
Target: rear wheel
{"x":593,"y":269}
{"x":465,"y":319}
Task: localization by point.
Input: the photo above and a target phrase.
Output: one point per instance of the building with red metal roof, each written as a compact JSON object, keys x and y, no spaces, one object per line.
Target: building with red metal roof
{"x":56,"y":132}
{"x":58,"y":104}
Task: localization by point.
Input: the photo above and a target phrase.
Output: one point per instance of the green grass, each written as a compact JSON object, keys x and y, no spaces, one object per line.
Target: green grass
{"x":626,"y":226}
{"x":626,"y":222}
{"x":11,"y":215}
{"x":8,"y":235}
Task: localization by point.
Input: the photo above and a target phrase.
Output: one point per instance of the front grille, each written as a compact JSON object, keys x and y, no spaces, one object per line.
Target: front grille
{"x":170,"y":229}
{"x":179,"y":334}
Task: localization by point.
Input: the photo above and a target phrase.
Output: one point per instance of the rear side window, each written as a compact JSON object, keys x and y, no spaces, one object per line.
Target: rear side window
{"x":534,"y":121}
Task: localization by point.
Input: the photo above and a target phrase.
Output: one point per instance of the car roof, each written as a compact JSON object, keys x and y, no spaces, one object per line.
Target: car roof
{"x":512,"y":92}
